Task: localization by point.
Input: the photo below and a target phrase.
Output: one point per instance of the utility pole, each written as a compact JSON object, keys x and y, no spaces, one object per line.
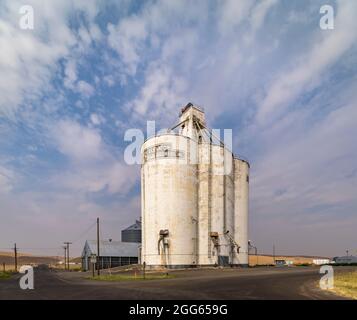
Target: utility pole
{"x":65,"y":257}
{"x":67,"y":244}
{"x":98,"y":254}
{"x":274,"y":252}
{"x":15,"y":252}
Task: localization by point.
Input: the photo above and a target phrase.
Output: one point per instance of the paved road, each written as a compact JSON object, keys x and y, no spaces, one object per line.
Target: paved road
{"x":259,"y":283}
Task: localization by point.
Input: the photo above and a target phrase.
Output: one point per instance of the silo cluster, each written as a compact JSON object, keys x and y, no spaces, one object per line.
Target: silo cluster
{"x":194,"y":198}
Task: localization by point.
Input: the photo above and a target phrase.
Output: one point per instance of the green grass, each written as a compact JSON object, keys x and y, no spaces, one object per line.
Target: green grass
{"x":346,"y":284}
{"x":5,"y":275}
{"x":121,"y":277}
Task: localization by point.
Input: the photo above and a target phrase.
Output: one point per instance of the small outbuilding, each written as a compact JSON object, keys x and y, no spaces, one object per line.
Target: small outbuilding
{"x":346,"y":260}
{"x":111,"y":254}
{"x":280,"y":262}
{"x":320,"y":262}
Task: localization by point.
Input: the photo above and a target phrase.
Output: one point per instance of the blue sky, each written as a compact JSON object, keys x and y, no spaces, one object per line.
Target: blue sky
{"x":90,"y":70}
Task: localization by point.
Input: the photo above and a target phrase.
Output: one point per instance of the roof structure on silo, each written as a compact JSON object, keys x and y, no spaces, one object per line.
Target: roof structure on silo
{"x":191,"y":105}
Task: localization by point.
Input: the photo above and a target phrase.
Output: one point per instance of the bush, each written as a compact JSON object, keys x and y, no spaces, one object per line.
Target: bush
{"x":5,"y":275}
{"x":343,"y":264}
{"x":262,"y":265}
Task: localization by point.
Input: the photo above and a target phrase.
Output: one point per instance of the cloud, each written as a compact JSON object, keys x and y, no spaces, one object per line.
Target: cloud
{"x":109,"y":79}
{"x":29,"y":58}
{"x":78,"y":142}
{"x":260,"y":12}
{"x":93,"y":167}
{"x":310,"y":161}
{"x":195,"y":51}
{"x":71,"y":81}
{"x":70,"y":72}
{"x":85,"y":89}
{"x":6,"y":177}
{"x":160,"y":92}
{"x":96,"y":119}
{"x":306,"y":71}
{"x":233,"y":13}
{"x":109,"y":177}
{"x":126,"y":39}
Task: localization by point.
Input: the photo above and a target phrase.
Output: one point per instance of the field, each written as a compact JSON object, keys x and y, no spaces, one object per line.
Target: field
{"x":346,"y":284}
{"x":8,"y":259}
{"x":255,"y":260}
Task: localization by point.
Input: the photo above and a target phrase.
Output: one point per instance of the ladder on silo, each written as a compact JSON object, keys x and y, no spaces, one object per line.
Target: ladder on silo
{"x":233,"y":242}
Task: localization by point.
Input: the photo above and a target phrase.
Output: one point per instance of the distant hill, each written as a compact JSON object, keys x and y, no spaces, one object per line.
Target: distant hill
{"x":76,"y":260}
{"x":23,"y":258}
{"x":11,"y":254}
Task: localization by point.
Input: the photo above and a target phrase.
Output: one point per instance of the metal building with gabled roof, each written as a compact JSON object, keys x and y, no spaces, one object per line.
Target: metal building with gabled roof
{"x":111,"y":254}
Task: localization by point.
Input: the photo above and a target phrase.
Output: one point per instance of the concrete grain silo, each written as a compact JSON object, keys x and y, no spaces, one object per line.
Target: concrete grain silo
{"x":194,"y":198}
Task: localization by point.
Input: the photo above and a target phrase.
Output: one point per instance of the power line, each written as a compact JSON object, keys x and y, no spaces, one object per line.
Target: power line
{"x":38,"y":248}
{"x":84,"y":232}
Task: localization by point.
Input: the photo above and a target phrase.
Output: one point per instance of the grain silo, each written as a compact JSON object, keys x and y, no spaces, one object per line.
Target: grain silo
{"x":132,"y":233}
{"x":194,"y":198}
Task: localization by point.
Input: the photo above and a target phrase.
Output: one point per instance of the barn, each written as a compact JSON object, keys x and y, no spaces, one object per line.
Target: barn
{"x":111,"y":254}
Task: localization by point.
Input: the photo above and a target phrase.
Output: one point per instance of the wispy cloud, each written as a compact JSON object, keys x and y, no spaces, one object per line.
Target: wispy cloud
{"x":309,"y":67}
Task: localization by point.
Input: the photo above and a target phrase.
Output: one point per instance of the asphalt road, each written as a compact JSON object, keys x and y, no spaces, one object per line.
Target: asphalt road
{"x":258,"y":283}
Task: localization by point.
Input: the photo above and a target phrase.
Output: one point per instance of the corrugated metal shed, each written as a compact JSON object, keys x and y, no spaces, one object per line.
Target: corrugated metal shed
{"x":111,"y":248}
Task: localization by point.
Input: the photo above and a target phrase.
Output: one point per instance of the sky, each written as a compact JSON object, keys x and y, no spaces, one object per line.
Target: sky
{"x":90,"y":70}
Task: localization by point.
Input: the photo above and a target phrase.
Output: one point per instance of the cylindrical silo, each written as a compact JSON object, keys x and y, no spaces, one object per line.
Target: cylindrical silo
{"x":241,"y":199}
{"x":215,"y":204}
{"x":229,"y":205}
{"x":221,"y":210}
{"x":169,"y":202}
